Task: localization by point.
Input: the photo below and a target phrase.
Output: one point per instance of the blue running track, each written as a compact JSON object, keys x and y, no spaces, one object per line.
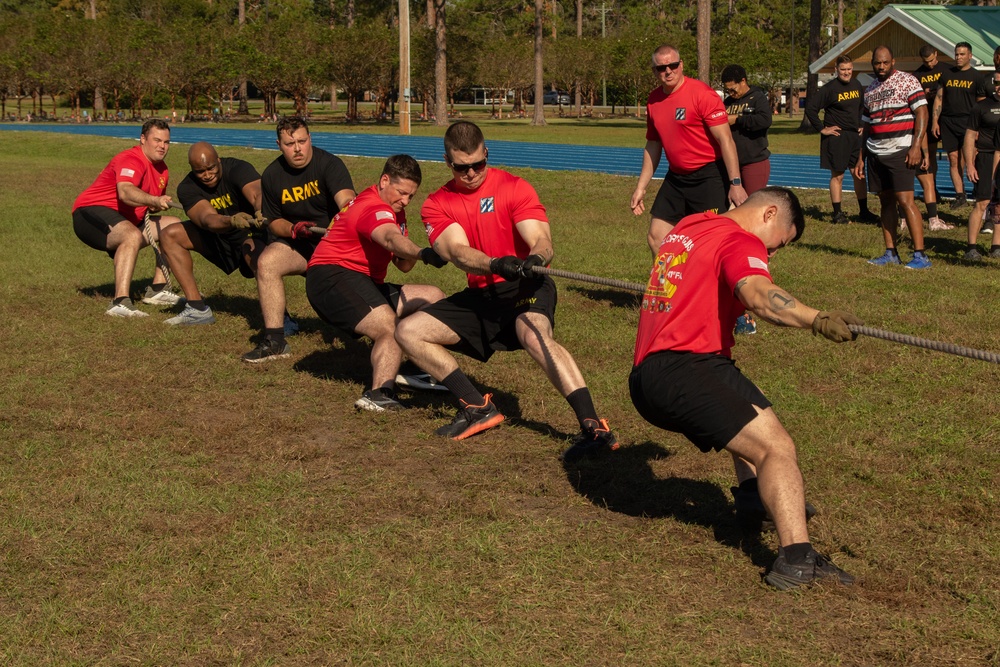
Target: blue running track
{"x":796,"y":171}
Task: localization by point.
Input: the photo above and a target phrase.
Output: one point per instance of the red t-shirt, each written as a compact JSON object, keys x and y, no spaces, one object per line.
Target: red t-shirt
{"x":680,"y":122}
{"x":131,"y":166}
{"x":689,"y":304}
{"x":488,"y":215}
{"x":349,"y":242}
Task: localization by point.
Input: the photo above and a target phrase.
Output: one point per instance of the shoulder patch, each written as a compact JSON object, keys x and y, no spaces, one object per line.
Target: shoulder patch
{"x":757,"y":263}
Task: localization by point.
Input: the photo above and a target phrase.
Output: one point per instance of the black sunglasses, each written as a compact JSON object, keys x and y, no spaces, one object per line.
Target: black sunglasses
{"x":474,"y":166}
{"x":669,"y":66}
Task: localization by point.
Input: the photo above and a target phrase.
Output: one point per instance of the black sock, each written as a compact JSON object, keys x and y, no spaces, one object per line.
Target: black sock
{"x":836,"y":207}
{"x":932,"y":210}
{"x":458,"y":384}
{"x":276,"y":336}
{"x":796,"y":553}
{"x":197,"y":305}
{"x":973,"y":246}
{"x":863,"y":205}
{"x":994,"y":247}
{"x":582,"y":404}
{"x":158,"y":287}
{"x":749,"y":486}
{"x":123,"y":300}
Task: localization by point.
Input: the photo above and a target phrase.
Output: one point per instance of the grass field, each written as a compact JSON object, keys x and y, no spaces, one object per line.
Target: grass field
{"x":164,"y":504}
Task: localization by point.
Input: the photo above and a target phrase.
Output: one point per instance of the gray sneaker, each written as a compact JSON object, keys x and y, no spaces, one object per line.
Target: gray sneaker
{"x":995,"y":252}
{"x":972,"y":255}
{"x":378,"y":400}
{"x":192,"y":316}
{"x":124,"y":310}
{"x":815,"y":568}
{"x":267,"y":350}
{"x":162,"y":298}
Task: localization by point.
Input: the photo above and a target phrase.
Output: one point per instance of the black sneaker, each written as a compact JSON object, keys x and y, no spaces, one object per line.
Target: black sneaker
{"x":267,"y":350}
{"x":751,"y":513}
{"x":995,"y":252}
{"x":840,"y":218}
{"x":785,"y":576}
{"x":595,"y":440}
{"x":972,"y":255}
{"x":869,"y":218}
{"x":472,"y":419}
{"x":379,"y":400}
{"x":958,"y":202}
{"x":987,"y":227}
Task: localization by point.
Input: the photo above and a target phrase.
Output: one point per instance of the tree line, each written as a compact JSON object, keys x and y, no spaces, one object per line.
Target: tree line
{"x":127,"y":56}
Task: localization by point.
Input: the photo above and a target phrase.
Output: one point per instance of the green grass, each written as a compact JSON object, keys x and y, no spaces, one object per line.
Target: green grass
{"x":165,"y":504}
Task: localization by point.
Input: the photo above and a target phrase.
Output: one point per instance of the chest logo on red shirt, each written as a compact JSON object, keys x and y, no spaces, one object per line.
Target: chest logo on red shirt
{"x":486,"y":205}
{"x":680,"y":113}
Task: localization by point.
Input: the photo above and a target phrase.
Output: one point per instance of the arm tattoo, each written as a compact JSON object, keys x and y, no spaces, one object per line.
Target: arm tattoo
{"x":739,"y":285}
{"x":780,"y":300}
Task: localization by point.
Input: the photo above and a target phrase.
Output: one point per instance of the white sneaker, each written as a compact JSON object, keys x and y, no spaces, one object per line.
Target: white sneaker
{"x":192,"y":316}
{"x":936,"y":224}
{"x":162,"y":298}
{"x":121,"y":310}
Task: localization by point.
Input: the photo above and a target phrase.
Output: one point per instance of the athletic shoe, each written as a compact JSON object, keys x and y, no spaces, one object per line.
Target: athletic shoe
{"x":972,"y":255}
{"x":987,"y":227}
{"x":378,"y":400}
{"x":840,"y":218}
{"x":192,"y":316}
{"x":936,"y":224}
{"x":751,"y":513}
{"x":869,"y":218}
{"x":291,"y":326}
{"x":887,"y":258}
{"x":958,"y":202}
{"x":785,"y":576}
{"x":420,"y":381}
{"x":995,"y":252}
{"x":121,"y":310}
{"x":472,"y":419}
{"x":919,"y":261}
{"x":595,"y":440}
{"x":266,"y":351}
{"x":745,"y":324}
{"x":162,"y":298}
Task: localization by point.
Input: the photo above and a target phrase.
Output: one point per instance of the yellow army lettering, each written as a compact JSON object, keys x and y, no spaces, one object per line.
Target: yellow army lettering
{"x":849,"y":95}
{"x":223,"y":202}
{"x":300,"y":193}
{"x":954,"y":83}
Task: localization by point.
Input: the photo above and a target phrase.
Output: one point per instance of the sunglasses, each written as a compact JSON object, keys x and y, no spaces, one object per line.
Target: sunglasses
{"x":474,"y":166}
{"x":669,"y":66}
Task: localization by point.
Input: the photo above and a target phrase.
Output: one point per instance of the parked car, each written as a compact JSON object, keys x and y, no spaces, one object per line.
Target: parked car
{"x":555,"y":97}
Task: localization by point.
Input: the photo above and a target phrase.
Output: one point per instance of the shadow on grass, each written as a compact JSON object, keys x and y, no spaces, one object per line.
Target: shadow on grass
{"x":625,"y":483}
{"x":618,"y":298}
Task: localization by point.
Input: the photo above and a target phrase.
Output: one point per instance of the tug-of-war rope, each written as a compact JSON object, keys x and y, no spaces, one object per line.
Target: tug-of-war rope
{"x":905,"y":339}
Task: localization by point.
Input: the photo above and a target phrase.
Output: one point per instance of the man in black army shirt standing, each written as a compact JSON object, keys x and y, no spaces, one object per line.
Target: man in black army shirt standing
{"x":929,"y":74}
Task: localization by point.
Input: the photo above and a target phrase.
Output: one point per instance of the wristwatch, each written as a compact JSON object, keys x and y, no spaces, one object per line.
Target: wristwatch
{"x":736,"y":181}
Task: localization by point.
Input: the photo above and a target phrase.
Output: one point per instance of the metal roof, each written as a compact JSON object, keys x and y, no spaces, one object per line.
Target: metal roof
{"x":906,"y":28}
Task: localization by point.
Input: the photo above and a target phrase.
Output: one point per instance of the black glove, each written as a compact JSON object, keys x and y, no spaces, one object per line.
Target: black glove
{"x":507,"y":267}
{"x":430,"y":256}
{"x":532,"y":261}
{"x":833,"y":325}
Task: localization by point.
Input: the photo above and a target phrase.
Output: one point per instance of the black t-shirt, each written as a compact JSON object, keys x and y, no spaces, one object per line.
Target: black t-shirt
{"x":841,"y":103}
{"x":959,"y":89}
{"x":930,"y":78}
{"x":984,"y":119}
{"x":227,"y":196}
{"x":750,"y":129}
{"x":307,"y":193}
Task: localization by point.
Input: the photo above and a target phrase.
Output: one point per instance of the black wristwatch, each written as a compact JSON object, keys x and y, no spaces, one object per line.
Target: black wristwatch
{"x":736,"y":181}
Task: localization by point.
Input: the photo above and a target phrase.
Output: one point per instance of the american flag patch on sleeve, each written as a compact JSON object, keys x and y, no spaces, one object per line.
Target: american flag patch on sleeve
{"x":128,"y":173}
{"x":384,"y":215}
{"x":757,"y":263}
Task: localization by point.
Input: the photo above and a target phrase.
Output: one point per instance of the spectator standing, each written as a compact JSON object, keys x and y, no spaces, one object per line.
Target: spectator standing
{"x":749,"y":114}
{"x":929,"y":74}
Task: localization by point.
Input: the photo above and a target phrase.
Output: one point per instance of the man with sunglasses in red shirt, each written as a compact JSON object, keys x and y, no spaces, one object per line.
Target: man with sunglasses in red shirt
{"x":491,"y":224}
{"x":686,"y":120}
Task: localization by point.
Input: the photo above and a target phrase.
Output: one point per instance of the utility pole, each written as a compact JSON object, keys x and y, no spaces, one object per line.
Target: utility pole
{"x":604,"y":82}
{"x":404,"y":66}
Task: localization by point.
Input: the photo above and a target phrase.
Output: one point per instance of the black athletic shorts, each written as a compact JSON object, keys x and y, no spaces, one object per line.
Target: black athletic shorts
{"x":226,"y":250}
{"x":952,"y":132}
{"x":92,"y":224}
{"x":705,"y":189}
{"x":704,"y":397}
{"x":839,"y":154}
{"x":890,"y":173}
{"x":343,"y":297}
{"x":932,"y":160}
{"x":983,"y":189}
{"x":304,"y":247}
{"x":484,"y":318}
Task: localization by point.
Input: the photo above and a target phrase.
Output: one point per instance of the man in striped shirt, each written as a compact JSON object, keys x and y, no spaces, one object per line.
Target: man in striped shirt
{"x":895,"y":122}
